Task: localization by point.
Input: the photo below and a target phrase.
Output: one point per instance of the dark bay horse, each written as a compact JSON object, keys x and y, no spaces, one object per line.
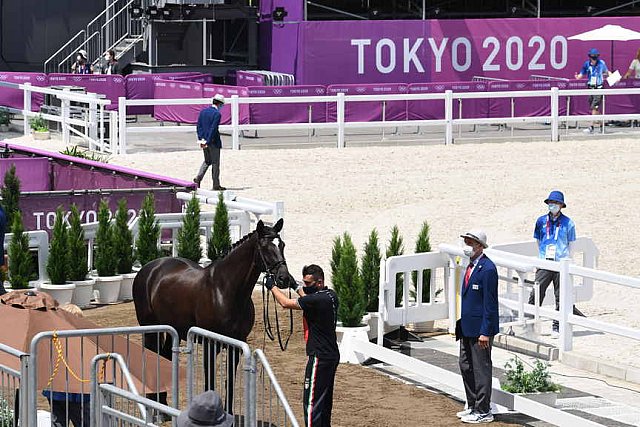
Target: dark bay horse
{"x":180,"y":293}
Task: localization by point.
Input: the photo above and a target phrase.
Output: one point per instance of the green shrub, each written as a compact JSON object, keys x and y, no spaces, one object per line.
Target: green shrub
{"x":123,"y":239}
{"x":423,"y":245}
{"x":336,"y":251}
{"x":5,"y":118}
{"x":148,"y":232}
{"x":520,"y":381}
{"x":19,"y":255}
{"x":39,"y":124}
{"x":76,"y":248}
{"x":189,"y":233}
{"x":57,"y":266}
{"x":219,"y":243}
{"x":11,"y":194}
{"x":106,"y":257}
{"x":6,"y":413}
{"x":349,"y":286}
{"x":396,"y":247}
{"x":370,"y":270}
{"x":76,"y":151}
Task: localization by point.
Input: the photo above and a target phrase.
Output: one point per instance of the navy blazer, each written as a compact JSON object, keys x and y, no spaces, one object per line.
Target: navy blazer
{"x":480,"y":300}
{"x":208,"y":122}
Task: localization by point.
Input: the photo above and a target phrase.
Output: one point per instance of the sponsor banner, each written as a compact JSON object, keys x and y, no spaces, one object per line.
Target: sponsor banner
{"x":111,"y":86}
{"x":330,"y":52}
{"x":369,"y":111}
{"x":434,"y":109}
{"x":314,"y":112}
{"x":177,"y":90}
{"x":210,"y":90}
{"x":14,"y":98}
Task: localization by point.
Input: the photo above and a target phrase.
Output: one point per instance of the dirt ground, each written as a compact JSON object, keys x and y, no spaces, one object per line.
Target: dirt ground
{"x":362,"y":396}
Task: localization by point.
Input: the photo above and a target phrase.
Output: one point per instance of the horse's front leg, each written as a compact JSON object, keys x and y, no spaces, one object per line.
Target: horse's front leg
{"x":232,"y":367}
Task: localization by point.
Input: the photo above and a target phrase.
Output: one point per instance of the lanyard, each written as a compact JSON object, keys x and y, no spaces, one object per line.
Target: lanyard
{"x":557,"y":228}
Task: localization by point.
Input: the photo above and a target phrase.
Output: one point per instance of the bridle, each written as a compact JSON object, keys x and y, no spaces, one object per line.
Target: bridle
{"x":268,"y":330}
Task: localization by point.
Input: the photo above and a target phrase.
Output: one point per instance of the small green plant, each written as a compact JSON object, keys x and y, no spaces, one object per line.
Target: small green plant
{"x":57,"y":266}
{"x":520,"y":381}
{"x":76,"y":249}
{"x":39,"y":124}
{"x":6,"y":413}
{"x":349,"y":286}
{"x":148,"y":232}
{"x":106,"y":257}
{"x":396,"y":247}
{"x":5,"y":118}
{"x":220,"y":241}
{"x":123,"y":239}
{"x":370,"y":270}
{"x":76,"y":151}
{"x":19,"y":256}
{"x":189,"y":233}
{"x":11,"y":194}
{"x":423,"y":245}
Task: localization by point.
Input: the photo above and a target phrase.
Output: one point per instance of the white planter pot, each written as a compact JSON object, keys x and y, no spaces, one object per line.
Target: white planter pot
{"x":61,"y":293}
{"x":373,"y":325}
{"x":108,"y":288}
{"x":41,"y":136}
{"x":84,"y":293}
{"x":346,"y":337}
{"x":126,"y":286}
{"x":547,"y":398}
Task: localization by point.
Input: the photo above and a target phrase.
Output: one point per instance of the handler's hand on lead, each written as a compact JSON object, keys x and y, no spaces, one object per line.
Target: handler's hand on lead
{"x":295,"y":285}
{"x":269,"y":281}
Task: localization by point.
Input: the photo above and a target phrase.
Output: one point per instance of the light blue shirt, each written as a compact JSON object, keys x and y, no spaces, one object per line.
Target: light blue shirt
{"x":559,"y":233}
{"x":594,"y":73}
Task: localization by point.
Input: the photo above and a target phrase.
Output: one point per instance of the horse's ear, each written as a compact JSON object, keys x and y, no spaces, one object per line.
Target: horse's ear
{"x":278,"y":225}
{"x":260,"y":226}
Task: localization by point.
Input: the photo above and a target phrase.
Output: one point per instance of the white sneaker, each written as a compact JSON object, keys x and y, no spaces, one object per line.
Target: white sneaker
{"x":477,"y":418}
{"x":464,"y":413}
{"x":589,"y":130}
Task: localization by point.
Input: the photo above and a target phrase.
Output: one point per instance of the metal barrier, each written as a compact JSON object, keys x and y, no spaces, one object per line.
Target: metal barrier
{"x":271,"y":403}
{"x":222,"y":359}
{"x":113,"y":405}
{"x":65,"y":357}
{"x":12,"y":389}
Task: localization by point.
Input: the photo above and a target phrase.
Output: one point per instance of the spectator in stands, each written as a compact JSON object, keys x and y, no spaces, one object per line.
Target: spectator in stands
{"x":81,"y":66}
{"x":595,"y":70}
{"x":205,"y":410}
{"x":555,"y":234}
{"x":110,"y":64}
{"x":476,"y":328}
{"x":210,"y":141}
{"x":634,"y":68}
{"x":319,"y":306}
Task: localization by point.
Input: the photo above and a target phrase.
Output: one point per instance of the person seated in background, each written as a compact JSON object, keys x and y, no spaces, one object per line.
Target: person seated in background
{"x":81,"y":66}
{"x":205,"y":410}
{"x":634,"y":68}
{"x":110,"y":63}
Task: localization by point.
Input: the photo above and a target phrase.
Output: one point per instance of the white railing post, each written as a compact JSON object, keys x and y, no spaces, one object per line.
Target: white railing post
{"x":451,"y":291}
{"x":555,"y":101}
{"x":566,"y":306}
{"x":93,"y":121}
{"x":26,"y":108}
{"x":448,"y":116}
{"x":235,"y":122}
{"x":381,"y":301}
{"x":122,"y":124}
{"x":340,"y":118}
{"x":64,"y":111}
{"x":113,"y":133}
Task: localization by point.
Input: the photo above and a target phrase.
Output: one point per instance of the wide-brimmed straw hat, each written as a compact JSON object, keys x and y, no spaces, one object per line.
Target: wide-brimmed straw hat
{"x":218,"y":97}
{"x":477,"y":235}
{"x":205,"y":410}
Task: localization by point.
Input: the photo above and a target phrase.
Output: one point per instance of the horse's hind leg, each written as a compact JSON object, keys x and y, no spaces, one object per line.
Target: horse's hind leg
{"x":233,"y":359}
{"x":211,"y":350}
{"x":157,"y":342}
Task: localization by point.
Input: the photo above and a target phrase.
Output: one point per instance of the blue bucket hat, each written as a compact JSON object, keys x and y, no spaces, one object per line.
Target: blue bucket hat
{"x":556,"y":196}
{"x":594,"y":52}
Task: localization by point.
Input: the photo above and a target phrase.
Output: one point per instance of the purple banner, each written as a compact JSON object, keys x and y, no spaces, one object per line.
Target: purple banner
{"x":525,"y":107}
{"x":369,"y":111}
{"x":623,"y":104}
{"x":140,"y":86}
{"x":111,"y":86}
{"x":434,"y":109}
{"x":196,"y":78}
{"x":331,"y":52}
{"x":228,"y":91}
{"x":315,"y":112}
{"x":247,"y":78}
{"x":14,"y":98}
{"x":164,"y":89}
{"x":33,"y":172}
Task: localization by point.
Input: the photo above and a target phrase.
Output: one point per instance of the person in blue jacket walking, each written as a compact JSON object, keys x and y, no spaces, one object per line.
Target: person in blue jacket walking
{"x":210,"y":141}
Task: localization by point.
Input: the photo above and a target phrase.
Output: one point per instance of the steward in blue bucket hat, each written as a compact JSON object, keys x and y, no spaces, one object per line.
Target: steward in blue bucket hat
{"x":556,"y":196}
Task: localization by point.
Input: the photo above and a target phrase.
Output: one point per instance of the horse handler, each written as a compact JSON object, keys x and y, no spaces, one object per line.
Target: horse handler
{"x":319,"y":305}
{"x":210,"y":141}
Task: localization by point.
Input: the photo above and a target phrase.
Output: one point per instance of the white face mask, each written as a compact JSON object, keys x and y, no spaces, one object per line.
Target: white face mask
{"x":107,"y":57}
{"x":554,"y":209}
{"x":79,"y":58}
{"x":468,"y":250}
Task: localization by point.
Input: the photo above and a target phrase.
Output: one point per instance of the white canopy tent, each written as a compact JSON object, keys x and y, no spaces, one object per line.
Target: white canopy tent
{"x":612,"y":33}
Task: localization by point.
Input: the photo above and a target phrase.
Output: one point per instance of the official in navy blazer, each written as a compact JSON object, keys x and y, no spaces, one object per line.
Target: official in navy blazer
{"x":477,"y":327}
{"x":210,"y":141}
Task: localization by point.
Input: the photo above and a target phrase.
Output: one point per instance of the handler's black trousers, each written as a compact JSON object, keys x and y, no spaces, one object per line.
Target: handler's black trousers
{"x":544,"y":279}
{"x":318,"y":391}
{"x":476,"y":369}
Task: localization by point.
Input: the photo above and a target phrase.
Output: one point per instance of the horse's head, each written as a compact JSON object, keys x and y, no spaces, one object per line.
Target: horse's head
{"x":271,"y":251}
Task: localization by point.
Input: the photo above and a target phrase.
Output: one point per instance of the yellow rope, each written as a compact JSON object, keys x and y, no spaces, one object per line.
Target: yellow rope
{"x":60,"y":357}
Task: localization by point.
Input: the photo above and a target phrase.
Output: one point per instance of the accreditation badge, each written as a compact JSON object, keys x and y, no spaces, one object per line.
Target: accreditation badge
{"x":550,"y":252}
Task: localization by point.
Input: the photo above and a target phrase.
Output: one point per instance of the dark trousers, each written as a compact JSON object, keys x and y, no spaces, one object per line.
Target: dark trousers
{"x":79,"y":413}
{"x":318,"y":391}
{"x":544,"y":278}
{"x":211,"y":158}
{"x":476,"y":369}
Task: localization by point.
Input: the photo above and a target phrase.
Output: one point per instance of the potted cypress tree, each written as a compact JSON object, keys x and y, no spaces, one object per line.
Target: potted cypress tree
{"x":219,"y":243}
{"x":148,"y":232}
{"x":396,"y":247}
{"x":189,"y":233}
{"x":336,"y":251}
{"x":351,"y":295}
{"x":107,"y":282}
{"x":57,"y":265}
{"x":370,"y":274}
{"x":123,"y":242}
{"x":77,"y":257}
{"x":11,"y":194}
{"x":19,"y":255}
{"x":422,"y":245}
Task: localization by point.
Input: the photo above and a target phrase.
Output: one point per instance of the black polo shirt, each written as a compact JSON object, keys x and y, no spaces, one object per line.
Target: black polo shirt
{"x":320,"y":312}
